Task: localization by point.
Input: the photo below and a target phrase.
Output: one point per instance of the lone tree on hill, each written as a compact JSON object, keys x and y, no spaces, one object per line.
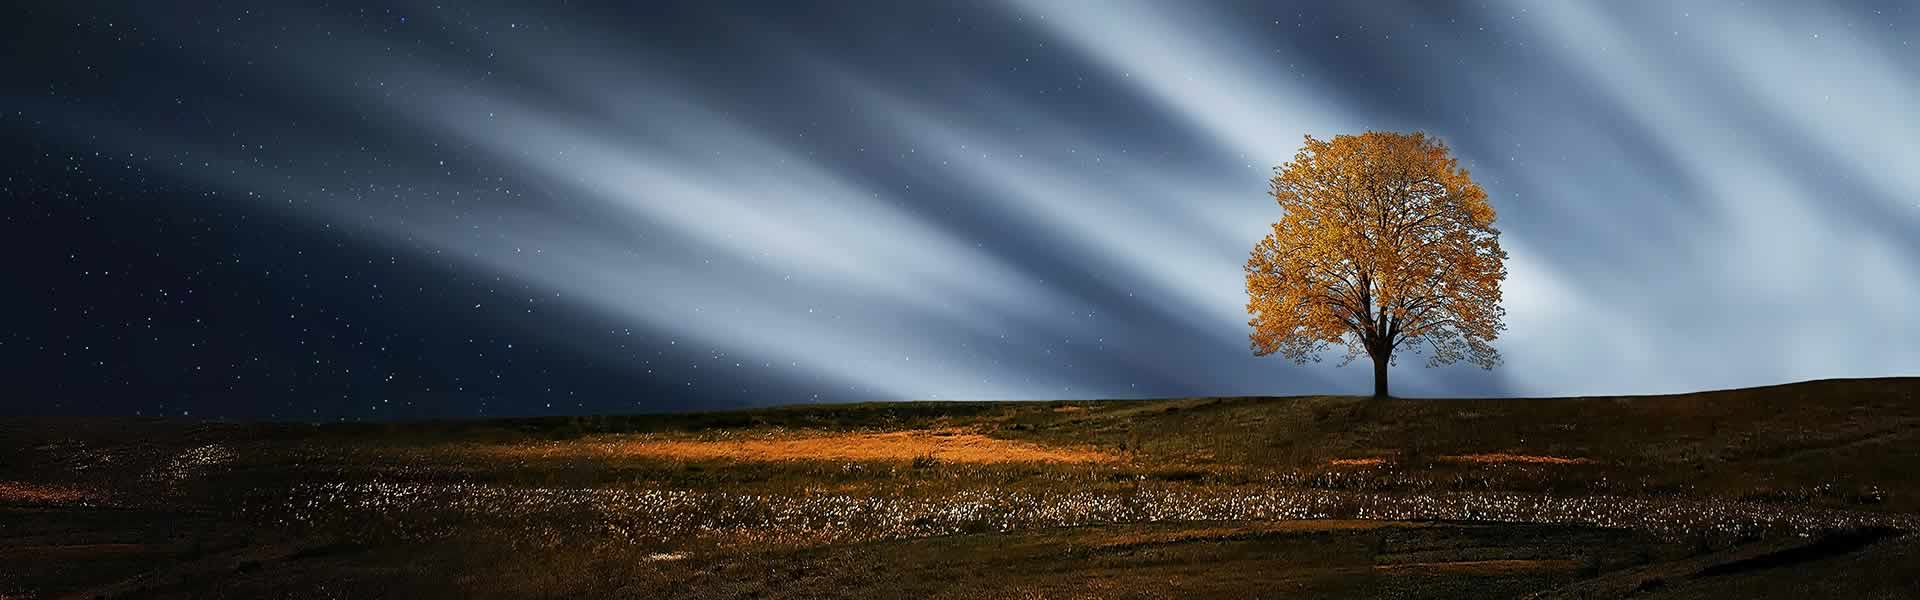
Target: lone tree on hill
{"x":1385,"y":242}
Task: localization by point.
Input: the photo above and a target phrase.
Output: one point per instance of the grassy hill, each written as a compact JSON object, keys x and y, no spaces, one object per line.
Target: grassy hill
{"x":1746,"y":491}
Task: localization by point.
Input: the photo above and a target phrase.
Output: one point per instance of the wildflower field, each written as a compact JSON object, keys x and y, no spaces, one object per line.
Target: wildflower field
{"x":1806,"y":490}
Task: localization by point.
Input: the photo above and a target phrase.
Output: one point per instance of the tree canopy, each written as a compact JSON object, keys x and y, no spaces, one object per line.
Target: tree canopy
{"x":1385,"y":242}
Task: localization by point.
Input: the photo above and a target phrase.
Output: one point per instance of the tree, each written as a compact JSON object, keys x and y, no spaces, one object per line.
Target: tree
{"x":1385,"y":242}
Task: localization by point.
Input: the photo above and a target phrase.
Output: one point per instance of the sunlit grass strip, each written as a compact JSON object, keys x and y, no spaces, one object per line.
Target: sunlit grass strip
{"x":946,"y":445}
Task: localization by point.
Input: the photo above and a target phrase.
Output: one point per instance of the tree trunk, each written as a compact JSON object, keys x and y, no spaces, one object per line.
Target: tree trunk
{"x":1380,"y":375}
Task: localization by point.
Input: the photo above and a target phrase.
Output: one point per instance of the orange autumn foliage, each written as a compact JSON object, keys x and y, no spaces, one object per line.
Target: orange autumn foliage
{"x":1385,"y":243}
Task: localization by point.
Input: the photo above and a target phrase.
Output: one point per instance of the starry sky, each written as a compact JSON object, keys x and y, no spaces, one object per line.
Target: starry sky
{"x":326,"y":210}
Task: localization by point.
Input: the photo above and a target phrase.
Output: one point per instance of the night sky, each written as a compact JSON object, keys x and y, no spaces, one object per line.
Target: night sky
{"x":318,"y":211}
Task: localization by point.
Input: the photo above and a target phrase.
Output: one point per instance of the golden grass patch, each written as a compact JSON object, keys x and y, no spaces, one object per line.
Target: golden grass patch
{"x":1488,"y":567}
{"x":944,"y":445}
{"x":34,"y":493}
{"x":1356,"y":462}
{"x":1502,"y":457}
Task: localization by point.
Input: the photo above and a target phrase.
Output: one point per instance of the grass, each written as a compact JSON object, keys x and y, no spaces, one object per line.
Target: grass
{"x":1652,"y":496}
{"x":780,"y":445}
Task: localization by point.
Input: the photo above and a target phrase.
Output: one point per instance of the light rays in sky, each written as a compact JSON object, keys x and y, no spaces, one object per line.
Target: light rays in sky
{"x":1709,"y":199}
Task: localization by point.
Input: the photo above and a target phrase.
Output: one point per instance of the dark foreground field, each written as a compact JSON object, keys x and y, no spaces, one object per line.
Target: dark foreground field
{"x":1800,"y":491}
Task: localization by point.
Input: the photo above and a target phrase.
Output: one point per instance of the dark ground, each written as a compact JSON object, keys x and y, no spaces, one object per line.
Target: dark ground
{"x":1799,"y":491}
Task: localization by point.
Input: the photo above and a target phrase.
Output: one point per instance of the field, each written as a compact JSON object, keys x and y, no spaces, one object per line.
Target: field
{"x":1795,"y":491}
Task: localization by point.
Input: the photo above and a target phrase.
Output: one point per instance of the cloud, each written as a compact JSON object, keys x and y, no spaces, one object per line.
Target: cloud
{"x":1766,"y":284}
{"x":1035,"y":199}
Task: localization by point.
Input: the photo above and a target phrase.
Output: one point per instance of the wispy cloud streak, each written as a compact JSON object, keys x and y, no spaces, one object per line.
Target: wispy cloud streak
{"x":1032,"y":199}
